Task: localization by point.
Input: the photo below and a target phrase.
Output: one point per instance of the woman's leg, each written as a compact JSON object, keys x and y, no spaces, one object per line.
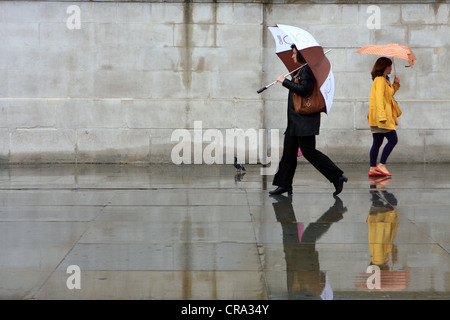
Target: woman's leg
{"x":376,"y":145}
{"x":319,"y":160}
{"x":288,"y":163}
{"x":392,"y":140}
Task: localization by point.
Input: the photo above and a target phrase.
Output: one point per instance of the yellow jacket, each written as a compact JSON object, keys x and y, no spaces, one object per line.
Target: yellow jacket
{"x":381,"y":104}
{"x":382,"y":230}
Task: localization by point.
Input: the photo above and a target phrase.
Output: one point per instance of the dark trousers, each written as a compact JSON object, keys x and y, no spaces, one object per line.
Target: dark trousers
{"x":288,"y":162}
{"x":378,"y":138}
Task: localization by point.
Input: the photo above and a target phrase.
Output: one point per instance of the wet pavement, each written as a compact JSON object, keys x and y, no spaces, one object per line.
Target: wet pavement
{"x":204,"y":232}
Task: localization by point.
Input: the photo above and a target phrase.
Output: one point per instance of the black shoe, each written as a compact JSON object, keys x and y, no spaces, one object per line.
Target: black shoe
{"x":281,"y":190}
{"x":339,"y":184}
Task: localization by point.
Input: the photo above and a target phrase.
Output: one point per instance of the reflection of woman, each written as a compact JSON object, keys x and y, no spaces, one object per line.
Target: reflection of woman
{"x":301,"y":132}
{"x":383,"y":224}
{"x":381,"y":117}
{"x":305,"y":280}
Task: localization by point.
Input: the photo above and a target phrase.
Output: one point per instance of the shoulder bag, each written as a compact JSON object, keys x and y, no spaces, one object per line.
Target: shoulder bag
{"x":311,"y":104}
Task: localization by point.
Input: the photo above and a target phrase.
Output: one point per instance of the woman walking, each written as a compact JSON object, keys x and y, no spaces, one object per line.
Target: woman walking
{"x":382,"y":116}
{"x":301,"y":132}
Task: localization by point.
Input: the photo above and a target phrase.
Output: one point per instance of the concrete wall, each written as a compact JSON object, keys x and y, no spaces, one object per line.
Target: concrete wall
{"x":115,"y":89}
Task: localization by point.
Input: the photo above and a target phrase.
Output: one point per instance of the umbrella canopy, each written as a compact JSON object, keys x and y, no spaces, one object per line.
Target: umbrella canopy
{"x":391,"y":50}
{"x":313,"y":53}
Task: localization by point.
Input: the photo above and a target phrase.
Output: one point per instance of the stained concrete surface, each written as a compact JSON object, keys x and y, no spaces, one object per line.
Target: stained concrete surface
{"x":167,"y":232}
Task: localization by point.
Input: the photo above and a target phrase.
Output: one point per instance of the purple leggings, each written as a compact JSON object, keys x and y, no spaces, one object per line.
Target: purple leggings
{"x":392,"y":140}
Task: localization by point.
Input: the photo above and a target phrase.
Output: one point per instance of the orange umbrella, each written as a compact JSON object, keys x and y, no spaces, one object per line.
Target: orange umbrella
{"x":390,"y":50}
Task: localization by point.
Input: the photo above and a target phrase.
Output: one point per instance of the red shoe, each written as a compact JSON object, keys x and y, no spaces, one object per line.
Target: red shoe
{"x":374,"y":174}
{"x":386,"y":179}
{"x":384,"y":173}
{"x":377,"y":181}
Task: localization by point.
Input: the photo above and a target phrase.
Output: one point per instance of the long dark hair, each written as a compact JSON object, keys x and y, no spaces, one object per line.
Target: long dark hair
{"x":300,"y":58}
{"x":380,"y":65}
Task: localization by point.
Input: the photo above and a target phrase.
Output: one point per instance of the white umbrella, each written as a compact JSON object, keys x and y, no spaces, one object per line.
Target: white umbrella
{"x":313,"y":53}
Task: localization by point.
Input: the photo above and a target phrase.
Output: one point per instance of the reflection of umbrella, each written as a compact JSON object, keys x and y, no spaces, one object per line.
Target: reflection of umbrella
{"x":313,"y":53}
{"x":390,"y":50}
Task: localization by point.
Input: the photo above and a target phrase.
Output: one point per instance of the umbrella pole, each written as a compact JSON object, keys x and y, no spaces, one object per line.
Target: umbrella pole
{"x":271,"y":84}
{"x":393,"y":62}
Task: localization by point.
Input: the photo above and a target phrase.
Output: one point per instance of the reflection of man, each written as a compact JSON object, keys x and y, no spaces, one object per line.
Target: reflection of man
{"x":305,"y":280}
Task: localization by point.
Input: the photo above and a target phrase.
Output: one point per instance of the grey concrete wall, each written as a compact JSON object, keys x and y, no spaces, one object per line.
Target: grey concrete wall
{"x":115,"y":89}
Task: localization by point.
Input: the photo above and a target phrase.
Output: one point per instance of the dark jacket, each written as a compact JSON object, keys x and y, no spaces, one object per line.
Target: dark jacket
{"x":298,"y":124}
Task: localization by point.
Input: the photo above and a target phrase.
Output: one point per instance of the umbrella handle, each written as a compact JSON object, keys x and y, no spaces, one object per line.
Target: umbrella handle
{"x":266,"y":87}
{"x":262,"y":89}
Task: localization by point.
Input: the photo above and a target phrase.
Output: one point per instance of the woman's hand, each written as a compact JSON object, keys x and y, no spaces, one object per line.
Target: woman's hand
{"x":281,"y":79}
{"x":396,"y":80}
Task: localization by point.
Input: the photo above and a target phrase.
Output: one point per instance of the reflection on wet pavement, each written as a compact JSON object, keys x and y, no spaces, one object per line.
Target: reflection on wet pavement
{"x":206,"y":232}
{"x":304,"y":277}
{"x":383,"y":225}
